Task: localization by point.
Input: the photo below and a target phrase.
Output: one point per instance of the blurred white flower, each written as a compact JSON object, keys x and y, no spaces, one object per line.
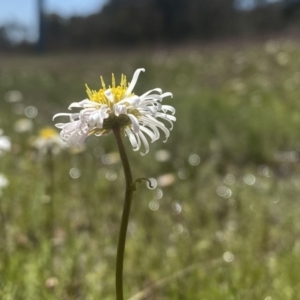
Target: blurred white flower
{"x":166,"y":179}
{"x":5,"y":144}
{"x":3,"y":181}
{"x":48,"y":139}
{"x":162,"y":155}
{"x":23,"y":125}
{"x":117,"y":106}
{"x":13,"y":96}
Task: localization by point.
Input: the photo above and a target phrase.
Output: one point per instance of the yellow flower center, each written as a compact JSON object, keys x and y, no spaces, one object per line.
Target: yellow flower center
{"x":47,"y":133}
{"x":118,"y":92}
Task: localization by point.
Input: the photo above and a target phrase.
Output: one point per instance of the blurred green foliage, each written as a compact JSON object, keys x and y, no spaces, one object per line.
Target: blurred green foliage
{"x":231,"y":214}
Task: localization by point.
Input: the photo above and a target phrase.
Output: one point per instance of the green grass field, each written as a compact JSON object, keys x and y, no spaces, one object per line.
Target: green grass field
{"x":223,"y":222}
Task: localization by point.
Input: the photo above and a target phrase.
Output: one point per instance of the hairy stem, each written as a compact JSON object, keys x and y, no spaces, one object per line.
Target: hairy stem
{"x":125,"y":215}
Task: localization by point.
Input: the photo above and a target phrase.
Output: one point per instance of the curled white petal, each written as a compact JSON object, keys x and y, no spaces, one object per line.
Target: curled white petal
{"x":145,"y":142}
{"x":96,"y":118}
{"x":75,"y":132}
{"x":133,"y":81}
{"x":132,"y":139}
{"x":61,"y":114}
{"x":133,"y":101}
{"x":167,"y":94}
{"x":84,"y":103}
{"x":135,"y":123}
{"x":149,"y":92}
{"x":149,"y":120}
{"x":120,"y":109}
{"x":166,"y":108}
{"x":151,"y":134}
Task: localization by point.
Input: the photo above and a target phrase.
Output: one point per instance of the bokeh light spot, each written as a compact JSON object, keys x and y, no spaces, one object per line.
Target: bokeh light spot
{"x":75,"y":173}
{"x":177,"y":208}
{"x":154,"y":205}
{"x":228,"y":256}
{"x":111,"y":175}
{"x":31,"y":112}
{"x":249,"y":179}
{"x":194,"y":159}
{"x":223,"y":191}
{"x":229,"y":179}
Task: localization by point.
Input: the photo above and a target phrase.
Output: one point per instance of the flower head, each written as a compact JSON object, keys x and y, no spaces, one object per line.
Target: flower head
{"x":5,"y":144}
{"x":117,"y":106}
{"x":48,"y":139}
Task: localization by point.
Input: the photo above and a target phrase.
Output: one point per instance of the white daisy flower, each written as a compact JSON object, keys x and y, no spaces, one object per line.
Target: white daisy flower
{"x":117,"y":106}
{"x":5,"y":144}
{"x":48,"y":139}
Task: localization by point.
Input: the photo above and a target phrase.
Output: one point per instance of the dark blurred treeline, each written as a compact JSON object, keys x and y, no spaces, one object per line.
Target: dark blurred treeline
{"x":132,"y":22}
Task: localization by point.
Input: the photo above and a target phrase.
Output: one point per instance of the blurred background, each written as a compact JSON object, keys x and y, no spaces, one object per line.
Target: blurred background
{"x":73,"y":25}
{"x":223,"y":219}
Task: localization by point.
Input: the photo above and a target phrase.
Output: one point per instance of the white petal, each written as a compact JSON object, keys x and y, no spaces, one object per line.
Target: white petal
{"x":145,"y":142}
{"x":149,"y":92}
{"x":152,"y":135}
{"x":75,"y":116}
{"x":167,"y":94}
{"x":146,"y":108}
{"x":93,"y":120}
{"x":120,"y":109}
{"x":94,"y":117}
{"x":155,"y":131}
{"x":83,"y":103}
{"x":109,"y":95}
{"x":132,"y":139}
{"x":104,"y":111}
{"x":59,"y":125}
{"x":70,"y":126}
{"x":138,"y":140}
{"x":133,"y":81}
{"x":61,"y":114}
{"x":135,"y":123}
{"x":152,"y":121}
{"x":153,"y":97}
{"x":76,"y":140}
{"x":168,"y":118}
{"x":133,"y":101}
{"x":168,"y":108}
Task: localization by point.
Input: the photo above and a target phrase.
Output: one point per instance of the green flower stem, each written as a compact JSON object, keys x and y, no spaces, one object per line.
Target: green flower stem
{"x":50,"y":191}
{"x":125,"y":216}
{"x":3,"y":245}
{"x":50,"y":222}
